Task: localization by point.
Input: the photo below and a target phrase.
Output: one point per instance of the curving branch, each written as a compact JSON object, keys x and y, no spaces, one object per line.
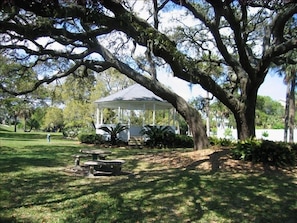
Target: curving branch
{"x":278,"y":25}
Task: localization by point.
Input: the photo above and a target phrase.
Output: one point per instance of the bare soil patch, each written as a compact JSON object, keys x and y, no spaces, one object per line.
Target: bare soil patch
{"x":212,"y":159}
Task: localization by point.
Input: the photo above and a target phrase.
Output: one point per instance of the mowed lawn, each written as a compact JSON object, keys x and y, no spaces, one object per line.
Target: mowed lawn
{"x":35,"y":187}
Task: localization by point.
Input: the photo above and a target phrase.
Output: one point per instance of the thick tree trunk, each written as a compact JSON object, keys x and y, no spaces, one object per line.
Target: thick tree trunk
{"x":197,"y":129}
{"x":189,"y":113}
{"x":245,"y":119}
{"x":245,"y":128}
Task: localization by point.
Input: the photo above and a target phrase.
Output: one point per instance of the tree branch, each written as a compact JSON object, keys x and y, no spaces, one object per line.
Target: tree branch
{"x":280,"y":21}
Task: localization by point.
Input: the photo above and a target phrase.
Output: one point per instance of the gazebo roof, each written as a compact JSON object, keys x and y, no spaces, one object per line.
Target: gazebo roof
{"x":135,"y":97}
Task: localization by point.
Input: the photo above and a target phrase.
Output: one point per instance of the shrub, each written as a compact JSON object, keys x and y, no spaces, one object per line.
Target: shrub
{"x":265,"y":151}
{"x":70,"y":132}
{"x":90,"y":138}
{"x":158,"y":136}
{"x":163,"y":136}
{"x":183,"y":141}
{"x":220,"y":142}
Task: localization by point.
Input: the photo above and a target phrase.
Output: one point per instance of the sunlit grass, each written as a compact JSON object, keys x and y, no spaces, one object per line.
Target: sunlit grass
{"x":34,"y":188}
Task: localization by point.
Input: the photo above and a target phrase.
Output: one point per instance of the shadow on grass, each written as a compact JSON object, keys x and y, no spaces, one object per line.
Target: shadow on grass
{"x":45,"y":193}
{"x":27,"y":135}
{"x":186,"y":196}
{"x":13,"y":160}
{"x":4,"y":129}
{"x":20,"y":136}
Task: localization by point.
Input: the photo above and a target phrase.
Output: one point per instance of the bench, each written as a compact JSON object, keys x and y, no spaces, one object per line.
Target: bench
{"x":96,"y":154}
{"x":113,"y":167}
{"x":136,"y":141}
{"x":77,"y":158}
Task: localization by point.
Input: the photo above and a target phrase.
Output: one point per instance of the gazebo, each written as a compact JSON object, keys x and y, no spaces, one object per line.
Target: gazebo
{"x":137,"y":98}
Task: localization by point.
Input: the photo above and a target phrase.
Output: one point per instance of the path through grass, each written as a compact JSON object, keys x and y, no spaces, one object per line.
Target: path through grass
{"x":34,"y":188}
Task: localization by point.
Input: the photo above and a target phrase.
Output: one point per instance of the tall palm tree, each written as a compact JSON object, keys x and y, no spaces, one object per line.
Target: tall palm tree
{"x":290,"y":81}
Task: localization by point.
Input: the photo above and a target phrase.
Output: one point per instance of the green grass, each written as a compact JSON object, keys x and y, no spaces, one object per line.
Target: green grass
{"x":34,"y":188}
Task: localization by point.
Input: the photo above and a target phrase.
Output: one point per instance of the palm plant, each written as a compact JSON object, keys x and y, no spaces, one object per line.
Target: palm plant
{"x":158,"y":135}
{"x":114,"y":131}
{"x":290,"y":80}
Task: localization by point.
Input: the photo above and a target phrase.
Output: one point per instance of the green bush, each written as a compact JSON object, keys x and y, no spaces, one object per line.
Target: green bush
{"x":70,"y":132}
{"x":163,"y":136}
{"x":158,"y":136}
{"x":214,"y":141}
{"x":90,"y":138}
{"x":265,"y":151}
{"x":183,"y":141}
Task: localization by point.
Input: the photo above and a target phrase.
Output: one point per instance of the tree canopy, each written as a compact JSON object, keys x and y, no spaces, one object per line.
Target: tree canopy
{"x":239,"y":39}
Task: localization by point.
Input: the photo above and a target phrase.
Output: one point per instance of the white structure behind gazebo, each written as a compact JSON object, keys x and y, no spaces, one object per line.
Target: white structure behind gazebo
{"x":135,"y":97}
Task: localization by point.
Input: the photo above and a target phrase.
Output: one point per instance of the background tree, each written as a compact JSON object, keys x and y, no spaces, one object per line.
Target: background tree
{"x":53,"y":120}
{"x":36,"y":120}
{"x":245,"y":36}
{"x":221,"y":116}
{"x":18,"y":107}
{"x":269,"y":113}
{"x":76,"y":94}
{"x":290,"y":71}
{"x":13,"y":106}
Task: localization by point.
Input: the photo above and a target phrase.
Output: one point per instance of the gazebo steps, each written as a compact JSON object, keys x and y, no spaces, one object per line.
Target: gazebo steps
{"x":136,"y":142}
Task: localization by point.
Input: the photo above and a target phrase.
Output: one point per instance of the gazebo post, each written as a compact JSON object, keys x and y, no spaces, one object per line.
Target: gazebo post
{"x":97,"y":117}
{"x":101,"y":116}
{"x":143,"y":115}
{"x":154,"y":114}
{"x":174,"y":116}
{"x":169,"y":116}
{"x":119,"y":113}
{"x":129,"y":126}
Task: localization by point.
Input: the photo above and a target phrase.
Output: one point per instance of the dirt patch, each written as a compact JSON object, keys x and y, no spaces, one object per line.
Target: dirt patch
{"x":213,"y":159}
{"x":209,"y":160}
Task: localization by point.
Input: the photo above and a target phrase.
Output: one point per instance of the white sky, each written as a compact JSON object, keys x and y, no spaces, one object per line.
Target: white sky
{"x":273,"y":87}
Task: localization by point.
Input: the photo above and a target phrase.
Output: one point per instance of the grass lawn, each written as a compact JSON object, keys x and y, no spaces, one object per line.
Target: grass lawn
{"x":34,"y":187}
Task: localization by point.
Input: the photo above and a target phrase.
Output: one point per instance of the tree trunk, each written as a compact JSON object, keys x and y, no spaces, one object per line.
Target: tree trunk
{"x":245,"y":119}
{"x":189,"y":113}
{"x":194,"y":120}
{"x":197,"y":129}
{"x":287,"y":113}
{"x":15,"y":123}
{"x":93,"y":124}
{"x":292,"y":108}
{"x":25,"y":124}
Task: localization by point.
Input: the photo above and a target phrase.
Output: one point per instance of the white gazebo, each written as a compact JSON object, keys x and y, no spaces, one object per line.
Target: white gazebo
{"x":135,"y":97}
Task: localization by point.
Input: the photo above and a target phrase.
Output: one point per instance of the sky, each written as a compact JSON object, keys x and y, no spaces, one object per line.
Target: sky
{"x":273,"y":87}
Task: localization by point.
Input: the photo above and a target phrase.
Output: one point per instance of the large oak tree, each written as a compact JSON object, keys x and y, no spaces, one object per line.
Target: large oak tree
{"x":243,"y":37}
